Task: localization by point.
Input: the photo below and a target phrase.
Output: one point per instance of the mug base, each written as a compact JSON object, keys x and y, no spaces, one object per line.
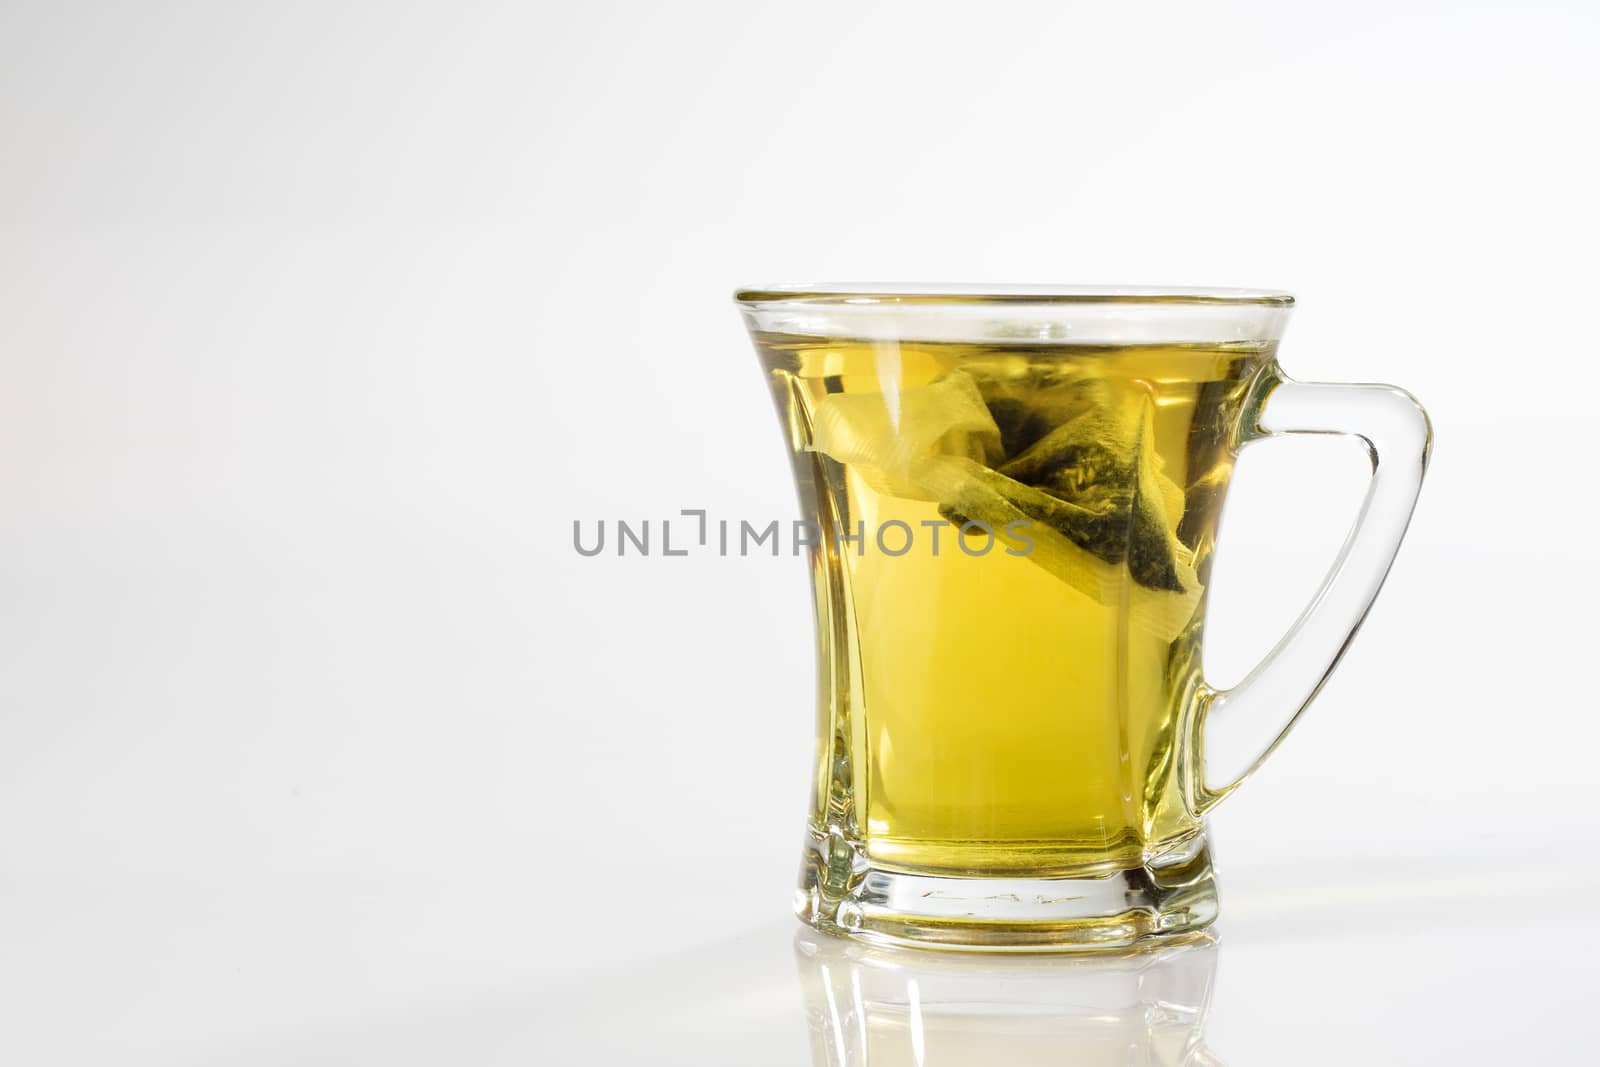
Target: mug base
{"x":1171,"y":897}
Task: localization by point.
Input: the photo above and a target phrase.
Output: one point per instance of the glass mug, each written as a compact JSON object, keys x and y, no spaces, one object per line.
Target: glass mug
{"x":1011,"y":498}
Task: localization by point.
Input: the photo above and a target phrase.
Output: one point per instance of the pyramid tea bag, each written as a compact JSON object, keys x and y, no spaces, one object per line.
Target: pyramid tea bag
{"x":1074,"y":461}
{"x":1102,"y":463}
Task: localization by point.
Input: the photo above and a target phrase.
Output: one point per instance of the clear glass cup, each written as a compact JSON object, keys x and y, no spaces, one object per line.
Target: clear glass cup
{"x":1011,"y":498}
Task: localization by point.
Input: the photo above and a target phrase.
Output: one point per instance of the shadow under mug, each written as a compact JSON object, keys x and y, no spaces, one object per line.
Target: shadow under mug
{"x":1010,"y":501}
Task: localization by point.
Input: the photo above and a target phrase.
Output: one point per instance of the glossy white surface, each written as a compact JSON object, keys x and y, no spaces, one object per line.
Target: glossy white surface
{"x":1429,"y":963}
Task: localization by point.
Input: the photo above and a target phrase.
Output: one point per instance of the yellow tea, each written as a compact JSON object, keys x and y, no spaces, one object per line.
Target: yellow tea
{"x":1010,"y":583}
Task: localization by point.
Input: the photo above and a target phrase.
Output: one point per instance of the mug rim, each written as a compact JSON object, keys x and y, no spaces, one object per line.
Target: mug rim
{"x":870,"y":293}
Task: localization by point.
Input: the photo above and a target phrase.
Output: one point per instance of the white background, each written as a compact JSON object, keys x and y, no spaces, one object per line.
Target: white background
{"x":321,"y":322}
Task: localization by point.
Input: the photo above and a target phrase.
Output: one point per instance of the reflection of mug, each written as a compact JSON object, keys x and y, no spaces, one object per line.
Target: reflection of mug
{"x":868,"y":1007}
{"x":1018,"y":493}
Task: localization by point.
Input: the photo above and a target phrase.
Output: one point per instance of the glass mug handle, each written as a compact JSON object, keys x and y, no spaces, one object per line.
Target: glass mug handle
{"x":1236,"y":729}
